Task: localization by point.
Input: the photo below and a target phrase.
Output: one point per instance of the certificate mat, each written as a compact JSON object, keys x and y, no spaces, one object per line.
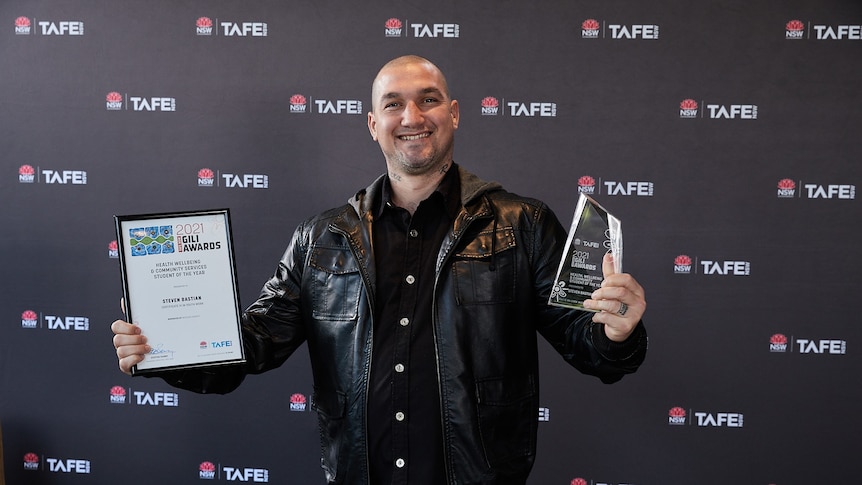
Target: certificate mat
{"x":179,"y":284}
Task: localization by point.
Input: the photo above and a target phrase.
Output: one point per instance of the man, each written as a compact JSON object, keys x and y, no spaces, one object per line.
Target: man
{"x":420,"y":301}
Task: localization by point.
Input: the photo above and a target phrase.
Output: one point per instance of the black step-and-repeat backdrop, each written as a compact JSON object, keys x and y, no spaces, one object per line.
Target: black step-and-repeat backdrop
{"x":725,"y":135}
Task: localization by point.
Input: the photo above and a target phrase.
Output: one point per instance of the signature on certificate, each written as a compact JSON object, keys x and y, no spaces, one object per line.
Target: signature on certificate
{"x":160,"y":352}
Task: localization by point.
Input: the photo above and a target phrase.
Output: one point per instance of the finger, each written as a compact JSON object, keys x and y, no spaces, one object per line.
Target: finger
{"x":126,"y":363}
{"x":131,"y":351}
{"x":609,"y":306}
{"x":618,"y":285}
{"x":123,"y":305}
{"x":123,"y":340}
{"x":121,"y":327}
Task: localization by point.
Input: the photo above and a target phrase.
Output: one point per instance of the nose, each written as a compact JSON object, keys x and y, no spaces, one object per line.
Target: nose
{"x":412,"y":115}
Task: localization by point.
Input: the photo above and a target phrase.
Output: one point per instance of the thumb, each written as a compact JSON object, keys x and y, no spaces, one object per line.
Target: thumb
{"x":608,"y":265}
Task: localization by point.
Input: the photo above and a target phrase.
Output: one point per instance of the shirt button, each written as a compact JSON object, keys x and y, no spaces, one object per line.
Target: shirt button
{"x":399,"y":416}
{"x":400,"y":463}
{"x":404,"y":322}
{"x":399,"y":367}
{"x":410,"y":279}
{"x":414,"y":233}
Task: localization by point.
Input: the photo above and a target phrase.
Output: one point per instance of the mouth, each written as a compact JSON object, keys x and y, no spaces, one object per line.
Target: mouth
{"x":414,"y":137}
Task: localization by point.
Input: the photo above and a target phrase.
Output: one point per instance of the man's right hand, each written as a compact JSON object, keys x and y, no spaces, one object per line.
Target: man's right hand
{"x":130,"y":344}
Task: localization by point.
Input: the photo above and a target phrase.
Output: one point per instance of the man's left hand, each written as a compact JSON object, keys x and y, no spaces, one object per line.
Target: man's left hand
{"x":620,"y":300}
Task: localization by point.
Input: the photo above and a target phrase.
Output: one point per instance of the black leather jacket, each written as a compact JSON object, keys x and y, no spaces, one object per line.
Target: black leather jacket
{"x":493,"y":276}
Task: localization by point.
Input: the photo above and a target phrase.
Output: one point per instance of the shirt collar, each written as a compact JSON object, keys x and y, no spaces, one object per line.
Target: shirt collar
{"x":449,"y":189}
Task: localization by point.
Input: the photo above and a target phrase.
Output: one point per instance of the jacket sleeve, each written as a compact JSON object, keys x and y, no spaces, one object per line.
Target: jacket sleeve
{"x":272,"y":329}
{"x":582,"y":343}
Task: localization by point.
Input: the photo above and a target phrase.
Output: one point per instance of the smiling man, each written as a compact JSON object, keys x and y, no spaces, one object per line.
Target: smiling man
{"x":421,"y":300}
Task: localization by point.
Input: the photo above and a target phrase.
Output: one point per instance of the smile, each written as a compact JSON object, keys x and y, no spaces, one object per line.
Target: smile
{"x":414,"y":137}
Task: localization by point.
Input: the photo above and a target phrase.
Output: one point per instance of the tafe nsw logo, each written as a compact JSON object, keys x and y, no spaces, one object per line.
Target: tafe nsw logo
{"x":113,"y":249}
{"x":298,"y":402}
{"x":299,"y":104}
{"x":678,"y":416}
{"x":118,"y":395}
{"x":683,"y":264}
{"x":208,"y":178}
{"x":795,"y":29}
{"x":690,"y":109}
{"x":588,"y":184}
{"x":531,"y":109}
{"x":779,"y":343}
{"x":207,"y":470}
{"x":394,"y":27}
{"x":205,"y":26}
{"x":30,"y":319}
{"x":57,"y":465}
{"x":114,"y":102}
{"x":29,"y":175}
{"x":592,"y":29}
{"x":787,"y":189}
{"x":46,"y":27}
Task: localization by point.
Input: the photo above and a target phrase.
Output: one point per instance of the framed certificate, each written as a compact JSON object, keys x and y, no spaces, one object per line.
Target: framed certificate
{"x":179,"y":284}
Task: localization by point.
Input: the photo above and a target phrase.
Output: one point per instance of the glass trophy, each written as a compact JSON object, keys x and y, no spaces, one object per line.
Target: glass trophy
{"x":594,"y":232}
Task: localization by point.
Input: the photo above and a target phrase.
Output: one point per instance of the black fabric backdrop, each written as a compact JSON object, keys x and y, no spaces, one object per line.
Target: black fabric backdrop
{"x":722,"y":133}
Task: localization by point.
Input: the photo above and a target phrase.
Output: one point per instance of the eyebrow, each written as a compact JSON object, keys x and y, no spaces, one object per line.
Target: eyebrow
{"x":395,"y":95}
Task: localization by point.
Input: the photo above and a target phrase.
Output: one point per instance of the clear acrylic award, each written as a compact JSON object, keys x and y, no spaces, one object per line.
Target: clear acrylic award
{"x":593,"y":233}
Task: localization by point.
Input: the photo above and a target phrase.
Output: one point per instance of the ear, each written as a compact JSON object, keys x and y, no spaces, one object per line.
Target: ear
{"x":455,"y":112}
{"x":372,"y":126}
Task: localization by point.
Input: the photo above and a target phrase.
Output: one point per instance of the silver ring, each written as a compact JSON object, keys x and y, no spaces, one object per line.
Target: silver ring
{"x":623,"y":309}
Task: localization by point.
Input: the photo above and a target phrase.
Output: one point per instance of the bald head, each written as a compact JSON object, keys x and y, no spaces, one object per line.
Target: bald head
{"x":408,"y":62}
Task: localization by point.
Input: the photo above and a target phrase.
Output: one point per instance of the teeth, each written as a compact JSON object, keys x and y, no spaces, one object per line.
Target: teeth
{"x":414,"y":137}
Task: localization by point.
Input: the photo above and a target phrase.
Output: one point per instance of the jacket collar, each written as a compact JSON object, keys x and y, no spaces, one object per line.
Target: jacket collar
{"x":472,"y":190}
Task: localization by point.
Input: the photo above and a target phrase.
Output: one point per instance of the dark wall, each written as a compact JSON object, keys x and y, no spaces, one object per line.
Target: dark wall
{"x":725,"y":136}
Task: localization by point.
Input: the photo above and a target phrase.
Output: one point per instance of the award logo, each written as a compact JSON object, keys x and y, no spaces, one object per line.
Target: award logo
{"x":151,"y":240}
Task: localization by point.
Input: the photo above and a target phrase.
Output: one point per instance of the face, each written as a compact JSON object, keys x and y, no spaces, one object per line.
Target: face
{"x":412,"y":118}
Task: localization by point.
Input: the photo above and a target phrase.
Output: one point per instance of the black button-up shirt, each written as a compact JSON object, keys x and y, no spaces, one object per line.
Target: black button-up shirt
{"x":405,"y":433}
